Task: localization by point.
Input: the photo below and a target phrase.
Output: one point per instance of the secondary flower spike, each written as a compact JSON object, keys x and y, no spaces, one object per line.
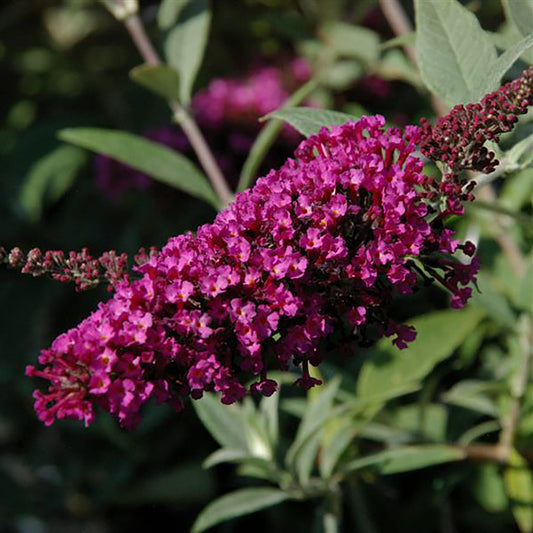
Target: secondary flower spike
{"x":315,"y":248}
{"x":457,"y":139}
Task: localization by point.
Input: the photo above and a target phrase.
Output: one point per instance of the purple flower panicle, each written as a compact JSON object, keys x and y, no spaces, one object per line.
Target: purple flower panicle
{"x":311,"y":255}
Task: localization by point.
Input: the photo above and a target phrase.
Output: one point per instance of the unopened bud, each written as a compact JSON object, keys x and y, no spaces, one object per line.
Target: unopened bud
{"x":121,"y":9}
{"x":15,"y":258}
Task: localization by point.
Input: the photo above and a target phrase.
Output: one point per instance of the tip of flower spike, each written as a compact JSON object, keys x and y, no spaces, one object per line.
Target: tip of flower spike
{"x":457,"y":139}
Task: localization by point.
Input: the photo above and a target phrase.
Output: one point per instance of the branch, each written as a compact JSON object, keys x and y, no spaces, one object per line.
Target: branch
{"x":138,"y":34}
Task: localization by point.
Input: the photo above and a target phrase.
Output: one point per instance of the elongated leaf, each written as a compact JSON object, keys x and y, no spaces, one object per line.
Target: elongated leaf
{"x":186,"y":43}
{"x":168,"y":13}
{"x":225,"y":455}
{"x":474,"y":395}
{"x":269,"y":408}
{"x":407,"y":39}
{"x":518,"y":480}
{"x":308,"y":120}
{"x":224,"y":422}
{"x":407,"y":458}
{"x":454,"y":53}
{"x":504,"y":63}
{"x":338,"y":443}
{"x":160,"y":79}
{"x":492,"y":301}
{"x":488,"y":488}
{"x":161,"y":163}
{"x":49,"y":179}
{"x":238,"y":503}
{"x":317,"y":412}
{"x":268,"y":135}
{"x":306,"y":457}
{"x":352,"y":41}
{"x":521,"y":13}
{"x":390,"y":370}
{"x":396,"y":66}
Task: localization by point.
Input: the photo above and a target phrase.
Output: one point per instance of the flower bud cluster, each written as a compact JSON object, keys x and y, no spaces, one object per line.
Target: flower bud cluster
{"x":311,"y":255}
{"x":77,"y":267}
{"x":457,"y":139}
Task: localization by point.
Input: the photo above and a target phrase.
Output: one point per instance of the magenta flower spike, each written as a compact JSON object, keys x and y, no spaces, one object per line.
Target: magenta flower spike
{"x":316,"y":247}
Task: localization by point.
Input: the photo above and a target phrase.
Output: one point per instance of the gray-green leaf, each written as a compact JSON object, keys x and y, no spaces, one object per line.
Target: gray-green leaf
{"x":308,"y":120}
{"x":49,"y":178}
{"x":454,"y":52}
{"x":407,"y":458}
{"x":518,"y":480}
{"x":160,"y":79}
{"x":352,"y":41}
{"x":186,"y":43}
{"x":238,"y":503}
{"x":161,"y":163}
{"x":390,"y":370}
{"x":168,"y":13}
{"x":504,"y":63}
{"x":224,"y":422}
{"x":521,"y":13}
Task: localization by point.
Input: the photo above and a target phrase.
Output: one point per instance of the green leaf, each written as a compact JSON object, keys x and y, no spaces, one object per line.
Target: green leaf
{"x":480,"y":430}
{"x":161,"y":163}
{"x":504,"y":63}
{"x":225,"y":455}
{"x":317,"y":412}
{"x":185,"y":44}
{"x":425,"y":422}
{"x":489,"y":490}
{"x":269,"y":410}
{"x":224,"y":422}
{"x":352,"y":41}
{"x":515,"y":156}
{"x":390,"y":370}
{"x":168,"y":13}
{"x":407,"y":39}
{"x":518,"y":480}
{"x":491,"y":300}
{"x":306,"y":457}
{"x":407,"y":458}
{"x":49,"y":178}
{"x":341,"y":75}
{"x":338,"y":442}
{"x":238,"y":503}
{"x":160,"y":79}
{"x":308,"y":120}
{"x":454,"y":52}
{"x":506,"y":36}
{"x":521,"y":14}
{"x":396,"y":66}
{"x":517,"y":190}
{"x":474,"y":395}
{"x":268,"y":135}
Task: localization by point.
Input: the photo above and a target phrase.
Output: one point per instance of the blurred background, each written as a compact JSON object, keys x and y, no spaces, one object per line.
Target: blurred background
{"x":66,"y":63}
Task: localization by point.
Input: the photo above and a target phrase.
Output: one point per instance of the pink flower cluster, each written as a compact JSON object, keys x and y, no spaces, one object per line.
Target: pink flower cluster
{"x":316,"y":247}
{"x":241,"y":102}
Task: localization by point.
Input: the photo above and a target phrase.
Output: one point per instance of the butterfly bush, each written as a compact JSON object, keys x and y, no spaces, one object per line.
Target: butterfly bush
{"x":309,"y":258}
